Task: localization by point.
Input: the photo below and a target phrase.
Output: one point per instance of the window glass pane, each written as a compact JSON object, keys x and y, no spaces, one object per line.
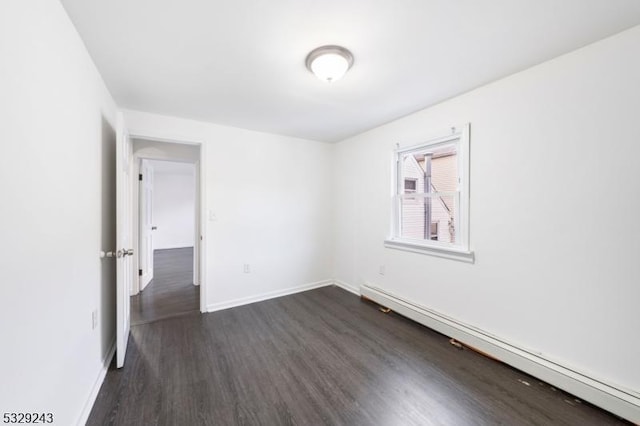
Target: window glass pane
{"x":444,"y":169}
{"x":429,"y":218}
{"x":430,"y":170}
{"x":413,"y":172}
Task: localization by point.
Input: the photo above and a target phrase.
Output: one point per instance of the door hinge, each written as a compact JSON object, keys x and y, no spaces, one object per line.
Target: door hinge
{"x":139,"y":272}
{"x":140,"y":176}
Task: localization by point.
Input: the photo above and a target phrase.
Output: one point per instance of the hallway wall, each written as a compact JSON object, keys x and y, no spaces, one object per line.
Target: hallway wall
{"x":174,"y":204}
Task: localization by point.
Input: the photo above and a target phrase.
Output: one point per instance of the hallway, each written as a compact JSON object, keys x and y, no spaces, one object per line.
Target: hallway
{"x":171,"y":292}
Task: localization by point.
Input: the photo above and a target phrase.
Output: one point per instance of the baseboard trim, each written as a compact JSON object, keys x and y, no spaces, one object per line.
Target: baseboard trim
{"x":266,"y":296}
{"x":595,"y":391}
{"x":88,"y":405}
{"x":346,"y":286}
{"x":142,"y":287}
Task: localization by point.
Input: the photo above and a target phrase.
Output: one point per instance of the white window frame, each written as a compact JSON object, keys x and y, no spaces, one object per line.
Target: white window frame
{"x":459,"y":250}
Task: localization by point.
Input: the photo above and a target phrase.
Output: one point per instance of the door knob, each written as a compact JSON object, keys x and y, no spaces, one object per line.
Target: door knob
{"x":124,"y":252}
{"x":153,"y":228}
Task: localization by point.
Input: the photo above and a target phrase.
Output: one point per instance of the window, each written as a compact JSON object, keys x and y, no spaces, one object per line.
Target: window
{"x":431,"y":200}
{"x":410,"y":185}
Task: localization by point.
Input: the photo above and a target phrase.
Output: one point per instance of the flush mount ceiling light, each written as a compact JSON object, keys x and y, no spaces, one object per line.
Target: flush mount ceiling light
{"x":329,"y":63}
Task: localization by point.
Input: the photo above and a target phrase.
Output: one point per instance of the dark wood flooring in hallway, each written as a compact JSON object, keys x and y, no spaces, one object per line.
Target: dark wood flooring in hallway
{"x":171,"y":292}
{"x":322,"y":357}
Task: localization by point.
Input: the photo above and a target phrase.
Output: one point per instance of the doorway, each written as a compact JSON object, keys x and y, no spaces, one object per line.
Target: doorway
{"x":167,"y":203}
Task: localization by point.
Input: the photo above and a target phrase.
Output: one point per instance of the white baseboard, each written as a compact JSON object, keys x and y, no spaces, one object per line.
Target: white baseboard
{"x":346,"y":286}
{"x":88,"y":405}
{"x":265,"y":296}
{"x":608,"y":396}
{"x":142,"y":287}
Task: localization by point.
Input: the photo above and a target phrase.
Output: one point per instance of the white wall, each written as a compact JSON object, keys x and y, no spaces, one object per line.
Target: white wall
{"x":57,"y":212}
{"x":546,"y":176}
{"x":270,"y":196}
{"x":174,"y":204}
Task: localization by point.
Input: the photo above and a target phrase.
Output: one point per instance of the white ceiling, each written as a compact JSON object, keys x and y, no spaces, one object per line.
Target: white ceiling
{"x":241,"y":63}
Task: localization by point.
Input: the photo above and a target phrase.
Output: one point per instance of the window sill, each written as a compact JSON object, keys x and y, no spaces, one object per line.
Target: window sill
{"x":444,"y":252}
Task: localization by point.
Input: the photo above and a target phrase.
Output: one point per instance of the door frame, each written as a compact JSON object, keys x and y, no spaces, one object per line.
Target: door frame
{"x":200,"y":222}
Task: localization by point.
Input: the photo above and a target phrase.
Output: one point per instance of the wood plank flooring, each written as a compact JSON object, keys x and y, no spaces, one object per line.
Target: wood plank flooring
{"x":322,"y":357}
{"x":171,"y":292}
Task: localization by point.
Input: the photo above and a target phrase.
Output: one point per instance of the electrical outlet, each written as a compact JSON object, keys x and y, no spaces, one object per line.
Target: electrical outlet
{"x":94,"y":319}
{"x":246,"y":268}
{"x":382,"y":270}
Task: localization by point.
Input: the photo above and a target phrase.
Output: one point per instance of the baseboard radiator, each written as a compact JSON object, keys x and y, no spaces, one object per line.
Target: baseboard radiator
{"x":623,"y":403}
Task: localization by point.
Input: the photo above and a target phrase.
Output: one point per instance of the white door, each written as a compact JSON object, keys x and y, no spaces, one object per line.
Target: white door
{"x":124,"y":253}
{"x":146,"y":224}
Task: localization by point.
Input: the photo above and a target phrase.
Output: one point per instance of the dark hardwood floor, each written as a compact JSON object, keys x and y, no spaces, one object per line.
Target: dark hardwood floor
{"x":171,"y":292}
{"x":322,"y":357}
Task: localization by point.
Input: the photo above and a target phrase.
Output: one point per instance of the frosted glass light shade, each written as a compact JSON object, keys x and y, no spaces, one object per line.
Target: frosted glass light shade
{"x":329,"y":63}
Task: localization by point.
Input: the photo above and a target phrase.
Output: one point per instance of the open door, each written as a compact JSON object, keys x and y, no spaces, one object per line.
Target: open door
{"x":146,"y":224}
{"x":124,"y":253}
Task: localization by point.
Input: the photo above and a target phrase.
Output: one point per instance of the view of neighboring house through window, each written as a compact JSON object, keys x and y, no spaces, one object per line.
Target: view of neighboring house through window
{"x":431,"y":200}
{"x":432,"y":174}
